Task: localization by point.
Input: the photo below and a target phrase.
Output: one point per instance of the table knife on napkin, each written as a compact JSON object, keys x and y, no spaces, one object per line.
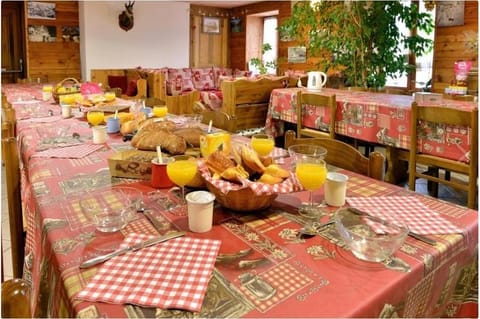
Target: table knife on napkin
{"x":155,"y":240}
{"x":410,"y":233}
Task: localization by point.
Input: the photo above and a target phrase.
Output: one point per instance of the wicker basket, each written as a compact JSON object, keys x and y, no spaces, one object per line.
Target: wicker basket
{"x":67,"y":82}
{"x":242,"y":199}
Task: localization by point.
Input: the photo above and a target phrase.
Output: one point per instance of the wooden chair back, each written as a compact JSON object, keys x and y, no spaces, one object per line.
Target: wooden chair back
{"x":15,"y":214}
{"x":219,"y":120}
{"x":344,"y":156}
{"x":320,"y":101}
{"x":449,"y":116}
{"x":16,"y":299}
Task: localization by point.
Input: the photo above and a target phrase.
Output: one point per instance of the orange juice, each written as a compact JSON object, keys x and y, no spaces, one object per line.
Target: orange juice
{"x":311,"y":175}
{"x":160,"y":110}
{"x":67,"y":99}
{"x":109,"y":96}
{"x":263,"y":146}
{"x":181,"y":172}
{"x":95,"y":117}
{"x":210,"y":142}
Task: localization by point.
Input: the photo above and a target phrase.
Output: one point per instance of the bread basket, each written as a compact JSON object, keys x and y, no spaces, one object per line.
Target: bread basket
{"x":243,"y":199}
{"x":71,"y":84}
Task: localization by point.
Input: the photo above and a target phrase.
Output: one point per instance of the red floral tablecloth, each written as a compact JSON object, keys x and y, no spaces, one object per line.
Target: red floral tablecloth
{"x":372,"y":117}
{"x":264,"y":268}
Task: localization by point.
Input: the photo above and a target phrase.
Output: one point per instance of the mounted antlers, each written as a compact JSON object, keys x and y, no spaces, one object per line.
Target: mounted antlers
{"x":125,"y":19}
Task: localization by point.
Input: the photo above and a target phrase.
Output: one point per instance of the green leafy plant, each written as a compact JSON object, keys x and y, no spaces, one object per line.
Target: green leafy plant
{"x":261,"y":65}
{"x":360,"y":39}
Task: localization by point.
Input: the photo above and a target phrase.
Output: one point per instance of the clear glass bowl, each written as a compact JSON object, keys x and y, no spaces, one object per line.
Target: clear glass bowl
{"x":370,"y":238}
{"x":111,"y":209}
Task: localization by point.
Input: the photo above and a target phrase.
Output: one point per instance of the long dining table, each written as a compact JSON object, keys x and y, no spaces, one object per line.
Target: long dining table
{"x":379,"y":118}
{"x":267,"y":269}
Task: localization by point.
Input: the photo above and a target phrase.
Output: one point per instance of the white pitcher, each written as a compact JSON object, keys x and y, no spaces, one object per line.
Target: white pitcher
{"x":316,"y":80}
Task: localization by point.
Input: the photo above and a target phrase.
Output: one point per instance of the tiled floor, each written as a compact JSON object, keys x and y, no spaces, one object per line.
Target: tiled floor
{"x":445,"y":193}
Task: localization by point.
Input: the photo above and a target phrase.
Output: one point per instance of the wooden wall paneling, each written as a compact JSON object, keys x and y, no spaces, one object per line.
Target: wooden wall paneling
{"x":60,"y":59}
{"x":456,"y":43}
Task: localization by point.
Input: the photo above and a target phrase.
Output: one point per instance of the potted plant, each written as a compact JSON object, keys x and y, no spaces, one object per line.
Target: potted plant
{"x":261,"y":65}
{"x":360,"y":39}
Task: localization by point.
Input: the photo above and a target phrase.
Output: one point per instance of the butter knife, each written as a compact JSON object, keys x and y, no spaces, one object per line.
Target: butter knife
{"x":410,"y":233}
{"x":100,"y":259}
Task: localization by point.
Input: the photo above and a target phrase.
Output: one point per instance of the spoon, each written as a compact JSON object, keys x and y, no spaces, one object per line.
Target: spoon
{"x":314,"y":229}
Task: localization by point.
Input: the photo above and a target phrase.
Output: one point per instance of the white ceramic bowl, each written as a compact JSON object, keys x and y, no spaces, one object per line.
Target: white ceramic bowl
{"x":370,"y":238}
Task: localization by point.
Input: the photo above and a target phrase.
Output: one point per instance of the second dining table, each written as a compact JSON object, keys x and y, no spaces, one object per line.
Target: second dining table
{"x":379,"y":118}
{"x":263,"y":267}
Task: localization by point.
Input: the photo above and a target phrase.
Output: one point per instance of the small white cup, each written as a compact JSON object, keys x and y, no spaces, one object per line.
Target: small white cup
{"x":336,"y":189}
{"x":200,"y":211}
{"x":66,"y":111}
{"x":99,"y":134}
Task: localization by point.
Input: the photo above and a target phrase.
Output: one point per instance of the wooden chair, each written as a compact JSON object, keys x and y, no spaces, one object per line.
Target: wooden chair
{"x":320,"y":101}
{"x":450,"y":116}
{"x":344,"y":156}
{"x":219,"y":120}
{"x":12,"y":181}
{"x":141,"y":91}
{"x":16,"y":299}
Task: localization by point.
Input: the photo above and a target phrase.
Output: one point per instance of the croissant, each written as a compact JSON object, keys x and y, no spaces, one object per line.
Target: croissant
{"x":251,"y":160}
{"x":277,"y":171}
{"x":217,"y":162}
{"x":269,"y":179}
{"x":235,"y":174}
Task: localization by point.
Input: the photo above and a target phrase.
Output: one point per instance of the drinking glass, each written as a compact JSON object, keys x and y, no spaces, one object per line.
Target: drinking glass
{"x":95,"y":117}
{"x":311,"y":173}
{"x":181,"y":172}
{"x":263,"y":144}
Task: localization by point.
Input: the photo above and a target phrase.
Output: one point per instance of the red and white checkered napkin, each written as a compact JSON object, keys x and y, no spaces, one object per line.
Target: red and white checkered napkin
{"x":409,"y":209}
{"x":73,"y":151}
{"x":173,"y":274}
{"x":289,"y":185}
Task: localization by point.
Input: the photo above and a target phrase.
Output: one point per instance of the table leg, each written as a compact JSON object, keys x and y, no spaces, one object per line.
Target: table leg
{"x":397,"y":165}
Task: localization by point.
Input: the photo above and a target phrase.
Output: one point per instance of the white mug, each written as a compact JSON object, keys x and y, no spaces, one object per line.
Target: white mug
{"x":99,"y":134}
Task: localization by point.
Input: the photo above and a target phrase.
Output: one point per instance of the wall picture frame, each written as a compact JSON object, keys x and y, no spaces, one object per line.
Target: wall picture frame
{"x":211,"y":25}
{"x":297,"y":55}
{"x":41,"y":10}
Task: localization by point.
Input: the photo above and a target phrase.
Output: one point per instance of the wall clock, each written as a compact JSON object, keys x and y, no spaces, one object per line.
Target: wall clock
{"x":450,"y":13}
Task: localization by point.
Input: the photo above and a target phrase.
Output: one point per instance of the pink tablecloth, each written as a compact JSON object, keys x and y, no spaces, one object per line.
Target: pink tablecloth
{"x":372,"y":117}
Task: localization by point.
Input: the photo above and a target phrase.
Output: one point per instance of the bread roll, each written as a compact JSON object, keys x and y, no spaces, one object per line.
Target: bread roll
{"x":169,"y":142}
{"x":191,"y":135}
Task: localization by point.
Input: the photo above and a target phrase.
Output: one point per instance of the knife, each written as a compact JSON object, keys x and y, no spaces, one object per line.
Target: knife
{"x":410,"y":233}
{"x":100,"y":259}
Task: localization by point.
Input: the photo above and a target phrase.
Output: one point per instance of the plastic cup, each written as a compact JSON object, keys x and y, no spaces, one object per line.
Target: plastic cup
{"x":200,"y":211}
{"x":99,"y":134}
{"x":113,"y":125}
{"x":66,"y":111}
{"x":336,"y":189}
{"x":159,"y":173}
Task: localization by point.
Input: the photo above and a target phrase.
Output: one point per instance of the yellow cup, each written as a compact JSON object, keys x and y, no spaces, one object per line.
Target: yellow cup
{"x":160,"y":110}
{"x":210,"y":142}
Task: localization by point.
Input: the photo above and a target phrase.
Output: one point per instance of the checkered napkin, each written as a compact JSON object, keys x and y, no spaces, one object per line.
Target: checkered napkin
{"x":289,"y":185}
{"x":173,"y":274}
{"x":419,"y":218}
{"x":74,"y":151}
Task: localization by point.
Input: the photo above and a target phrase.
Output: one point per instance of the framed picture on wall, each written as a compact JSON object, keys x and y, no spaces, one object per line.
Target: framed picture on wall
{"x":42,"y":33}
{"x":297,"y":54}
{"x":41,"y":10}
{"x":211,"y":25}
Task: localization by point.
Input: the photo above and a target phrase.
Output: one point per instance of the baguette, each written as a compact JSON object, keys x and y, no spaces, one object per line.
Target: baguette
{"x":148,"y":140}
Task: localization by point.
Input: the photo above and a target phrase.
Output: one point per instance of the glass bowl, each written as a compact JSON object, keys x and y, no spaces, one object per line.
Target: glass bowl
{"x":370,"y":238}
{"x":111,"y":209}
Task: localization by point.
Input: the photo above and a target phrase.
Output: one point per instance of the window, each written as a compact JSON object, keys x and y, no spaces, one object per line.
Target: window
{"x":261,"y":28}
{"x":423,"y":63}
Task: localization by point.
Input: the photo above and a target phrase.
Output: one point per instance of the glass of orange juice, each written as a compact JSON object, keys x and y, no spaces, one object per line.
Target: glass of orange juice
{"x":160,"y":111}
{"x":311,"y":173}
{"x":263,"y":144}
{"x":95,"y":117}
{"x":181,"y":172}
